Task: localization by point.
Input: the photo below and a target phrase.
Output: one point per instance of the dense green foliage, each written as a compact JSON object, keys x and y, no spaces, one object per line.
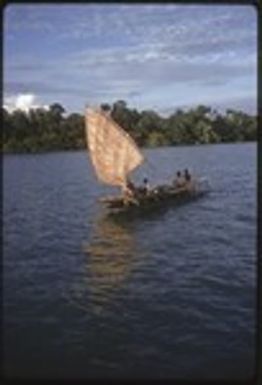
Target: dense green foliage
{"x":44,"y":130}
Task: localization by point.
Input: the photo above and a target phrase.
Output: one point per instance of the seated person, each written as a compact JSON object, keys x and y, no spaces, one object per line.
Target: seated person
{"x":187,"y":175}
{"x":129,"y":192}
{"x":190,"y":184}
{"x":180,"y":180}
{"x":145,"y":188}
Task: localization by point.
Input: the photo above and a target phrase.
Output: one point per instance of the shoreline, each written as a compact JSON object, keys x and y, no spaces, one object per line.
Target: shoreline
{"x":42,"y":152}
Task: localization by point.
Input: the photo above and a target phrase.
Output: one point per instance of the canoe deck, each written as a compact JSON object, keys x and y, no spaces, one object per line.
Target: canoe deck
{"x":157,"y":198}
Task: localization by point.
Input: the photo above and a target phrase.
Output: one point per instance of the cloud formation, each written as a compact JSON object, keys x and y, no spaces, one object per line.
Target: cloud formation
{"x":142,"y":53}
{"x":23,"y":102}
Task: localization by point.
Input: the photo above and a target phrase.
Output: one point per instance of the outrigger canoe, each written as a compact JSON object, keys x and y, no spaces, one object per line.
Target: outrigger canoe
{"x":114,"y":155}
{"x":159,"y":198}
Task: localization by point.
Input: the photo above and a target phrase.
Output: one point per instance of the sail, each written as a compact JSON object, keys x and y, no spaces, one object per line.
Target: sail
{"x":113,"y":152}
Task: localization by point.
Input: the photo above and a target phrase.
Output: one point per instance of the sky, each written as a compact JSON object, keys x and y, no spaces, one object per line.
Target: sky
{"x":153,"y":56}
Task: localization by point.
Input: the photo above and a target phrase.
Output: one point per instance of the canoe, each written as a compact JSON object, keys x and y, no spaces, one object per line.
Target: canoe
{"x":114,"y":155}
{"x":162,"y":197}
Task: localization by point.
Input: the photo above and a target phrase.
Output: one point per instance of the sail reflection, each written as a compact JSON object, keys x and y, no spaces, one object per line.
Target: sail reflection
{"x":110,"y":260}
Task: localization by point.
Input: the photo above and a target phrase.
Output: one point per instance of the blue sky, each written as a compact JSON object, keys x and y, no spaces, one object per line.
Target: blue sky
{"x":153,"y":56}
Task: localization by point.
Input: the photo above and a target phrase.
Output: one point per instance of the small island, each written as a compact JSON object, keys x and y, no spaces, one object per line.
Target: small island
{"x":41,"y":130}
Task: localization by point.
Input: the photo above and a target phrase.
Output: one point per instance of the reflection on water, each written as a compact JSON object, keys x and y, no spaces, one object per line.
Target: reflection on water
{"x":138,"y":299}
{"x":110,"y":258}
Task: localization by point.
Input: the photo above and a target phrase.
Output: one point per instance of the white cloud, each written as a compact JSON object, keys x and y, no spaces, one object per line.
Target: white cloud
{"x":23,"y":102}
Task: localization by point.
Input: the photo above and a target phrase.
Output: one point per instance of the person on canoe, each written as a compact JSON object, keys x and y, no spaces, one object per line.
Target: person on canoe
{"x":129,"y":192}
{"x":187,"y":175}
{"x":146,"y":187}
{"x":189,"y":182}
{"x":180,"y":180}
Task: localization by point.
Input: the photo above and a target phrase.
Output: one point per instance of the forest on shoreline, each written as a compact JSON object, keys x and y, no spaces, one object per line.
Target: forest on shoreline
{"x":42,"y":130}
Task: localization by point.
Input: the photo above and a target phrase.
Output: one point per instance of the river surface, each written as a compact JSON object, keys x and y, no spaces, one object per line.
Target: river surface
{"x":171,"y":295}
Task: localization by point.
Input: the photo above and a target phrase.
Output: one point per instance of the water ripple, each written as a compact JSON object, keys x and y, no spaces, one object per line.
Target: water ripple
{"x":162,"y":296}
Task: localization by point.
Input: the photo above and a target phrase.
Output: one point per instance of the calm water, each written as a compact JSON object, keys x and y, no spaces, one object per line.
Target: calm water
{"x":170,"y":296}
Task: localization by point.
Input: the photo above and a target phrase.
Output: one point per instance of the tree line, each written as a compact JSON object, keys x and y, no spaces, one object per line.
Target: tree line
{"x":47,"y":130}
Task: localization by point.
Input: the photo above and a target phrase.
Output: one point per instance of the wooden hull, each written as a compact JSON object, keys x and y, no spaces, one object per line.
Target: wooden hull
{"x":151,"y":203}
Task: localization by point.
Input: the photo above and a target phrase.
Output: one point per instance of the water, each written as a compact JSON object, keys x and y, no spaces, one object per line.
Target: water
{"x":172,"y":295}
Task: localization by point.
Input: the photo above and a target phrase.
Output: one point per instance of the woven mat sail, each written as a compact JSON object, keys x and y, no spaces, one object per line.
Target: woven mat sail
{"x":113,"y":152}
